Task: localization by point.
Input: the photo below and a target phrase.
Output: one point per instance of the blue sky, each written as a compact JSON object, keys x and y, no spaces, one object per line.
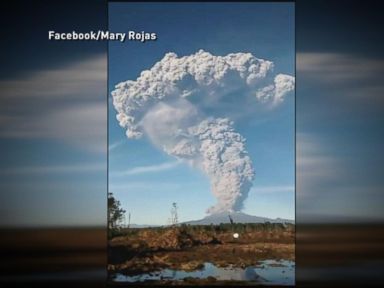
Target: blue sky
{"x":147,"y":180}
{"x":53,"y":168}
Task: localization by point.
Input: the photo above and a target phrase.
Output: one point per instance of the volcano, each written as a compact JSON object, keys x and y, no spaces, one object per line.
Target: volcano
{"x":237,"y":217}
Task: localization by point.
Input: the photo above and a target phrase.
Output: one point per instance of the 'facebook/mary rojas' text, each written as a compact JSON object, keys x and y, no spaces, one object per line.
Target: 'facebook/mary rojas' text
{"x":100,"y":35}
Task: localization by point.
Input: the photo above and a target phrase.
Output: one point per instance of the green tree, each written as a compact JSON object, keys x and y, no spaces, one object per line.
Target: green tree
{"x":116,"y":214}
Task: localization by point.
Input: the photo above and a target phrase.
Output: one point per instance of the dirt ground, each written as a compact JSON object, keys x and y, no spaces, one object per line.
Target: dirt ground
{"x":356,"y":250}
{"x":188,"y":248}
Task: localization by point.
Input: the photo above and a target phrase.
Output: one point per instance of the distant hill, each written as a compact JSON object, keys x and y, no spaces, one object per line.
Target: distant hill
{"x":216,"y":219}
{"x":238,"y":217}
{"x":142,"y":226}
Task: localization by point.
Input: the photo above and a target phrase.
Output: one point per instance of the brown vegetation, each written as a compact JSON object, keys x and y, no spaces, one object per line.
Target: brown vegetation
{"x":187,"y":248}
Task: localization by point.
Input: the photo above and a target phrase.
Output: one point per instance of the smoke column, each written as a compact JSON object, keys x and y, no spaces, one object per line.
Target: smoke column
{"x":186,"y":105}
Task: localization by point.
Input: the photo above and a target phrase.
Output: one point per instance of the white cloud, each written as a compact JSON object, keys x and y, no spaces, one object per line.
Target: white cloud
{"x":144,"y":186}
{"x":152,"y":168}
{"x":53,"y":169}
{"x":75,"y":80}
{"x":338,"y":66}
{"x":81,"y":126}
{"x":114,"y":145}
{"x":349,"y":75}
{"x":66,"y":104}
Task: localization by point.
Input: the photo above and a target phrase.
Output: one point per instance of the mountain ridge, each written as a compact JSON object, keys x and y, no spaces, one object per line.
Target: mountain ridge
{"x":237,"y":217}
{"x":217,"y":219}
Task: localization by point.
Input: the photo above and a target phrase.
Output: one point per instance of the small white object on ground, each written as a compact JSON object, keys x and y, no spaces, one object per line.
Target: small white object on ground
{"x":236,"y":235}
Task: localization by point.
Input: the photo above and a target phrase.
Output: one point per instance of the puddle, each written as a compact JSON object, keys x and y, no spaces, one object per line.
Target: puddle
{"x":268,"y":272}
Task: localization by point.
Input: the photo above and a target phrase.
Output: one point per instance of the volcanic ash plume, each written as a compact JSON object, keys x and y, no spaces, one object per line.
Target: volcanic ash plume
{"x":184,"y":106}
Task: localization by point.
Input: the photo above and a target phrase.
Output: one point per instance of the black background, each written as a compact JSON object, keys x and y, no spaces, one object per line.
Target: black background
{"x":346,"y":255}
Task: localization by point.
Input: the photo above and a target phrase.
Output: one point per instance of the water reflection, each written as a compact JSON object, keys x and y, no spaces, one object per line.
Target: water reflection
{"x":269,"y":271}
